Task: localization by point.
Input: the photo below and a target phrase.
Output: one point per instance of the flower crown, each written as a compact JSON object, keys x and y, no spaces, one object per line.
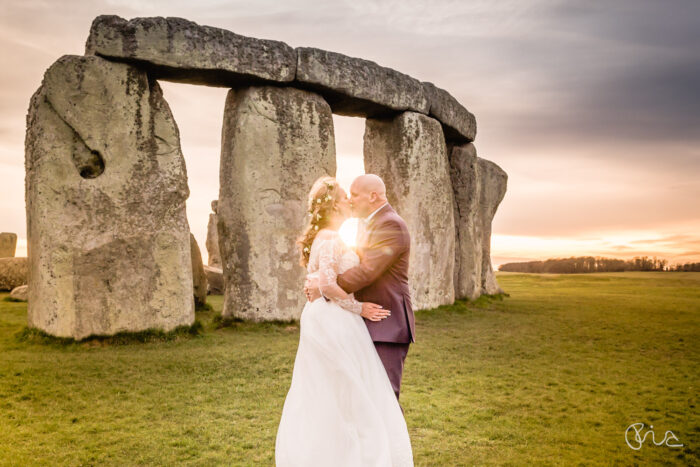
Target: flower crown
{"x":315,"y":203}
{"x":328,"y":197}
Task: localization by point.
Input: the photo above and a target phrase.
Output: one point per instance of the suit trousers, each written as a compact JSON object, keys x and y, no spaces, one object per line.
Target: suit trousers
{"x":392,"y":355}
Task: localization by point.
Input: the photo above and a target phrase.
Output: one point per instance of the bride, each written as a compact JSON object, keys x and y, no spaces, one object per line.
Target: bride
{"x":340,"y":408}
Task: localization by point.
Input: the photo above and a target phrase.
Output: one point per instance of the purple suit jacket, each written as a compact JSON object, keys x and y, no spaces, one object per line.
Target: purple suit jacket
{"x":382,"y":276}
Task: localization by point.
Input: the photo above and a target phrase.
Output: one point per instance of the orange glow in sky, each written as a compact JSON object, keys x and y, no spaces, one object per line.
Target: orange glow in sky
{"x":591,"y":112}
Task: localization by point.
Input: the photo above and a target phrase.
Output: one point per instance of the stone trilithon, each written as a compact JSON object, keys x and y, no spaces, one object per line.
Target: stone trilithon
{"x":108,"y":240}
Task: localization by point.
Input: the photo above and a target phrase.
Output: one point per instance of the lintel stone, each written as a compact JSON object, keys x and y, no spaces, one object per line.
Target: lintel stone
{"x":458,"y":123}
{"x":176,"y":49}
{"x":356,"y":87}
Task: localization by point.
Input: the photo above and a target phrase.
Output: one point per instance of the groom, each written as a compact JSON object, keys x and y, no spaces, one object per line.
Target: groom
{"x":382,"y":276}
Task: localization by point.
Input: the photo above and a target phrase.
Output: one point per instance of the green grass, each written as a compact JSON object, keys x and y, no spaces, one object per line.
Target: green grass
{"x":552,"y":374}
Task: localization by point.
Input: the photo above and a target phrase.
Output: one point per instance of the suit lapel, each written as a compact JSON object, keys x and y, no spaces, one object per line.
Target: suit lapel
{"x":385,"y":209}
{"x":373,"y":221}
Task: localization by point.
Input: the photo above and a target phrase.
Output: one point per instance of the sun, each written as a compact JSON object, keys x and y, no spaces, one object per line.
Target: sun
{"x":348,"y":231}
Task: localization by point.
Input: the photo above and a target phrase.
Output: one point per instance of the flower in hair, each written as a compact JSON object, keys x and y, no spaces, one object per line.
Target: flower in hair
{"x":315,"y":227}
{"x":306,"y":249}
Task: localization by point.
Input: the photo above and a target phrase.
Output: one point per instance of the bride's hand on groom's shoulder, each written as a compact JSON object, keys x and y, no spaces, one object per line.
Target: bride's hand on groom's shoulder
{"x":374,"y":312}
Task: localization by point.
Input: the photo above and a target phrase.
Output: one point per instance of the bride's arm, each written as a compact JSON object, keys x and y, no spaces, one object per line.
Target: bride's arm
{"x":328,"y":254}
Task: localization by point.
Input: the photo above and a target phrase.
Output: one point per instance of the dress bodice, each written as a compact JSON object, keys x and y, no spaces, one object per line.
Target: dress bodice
{"x":329,"y":256}
{"x":344,"y":257}
{"x":348,"y":260}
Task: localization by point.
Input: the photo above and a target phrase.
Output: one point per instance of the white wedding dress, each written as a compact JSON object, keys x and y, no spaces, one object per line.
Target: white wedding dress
{"x":340,"y":409}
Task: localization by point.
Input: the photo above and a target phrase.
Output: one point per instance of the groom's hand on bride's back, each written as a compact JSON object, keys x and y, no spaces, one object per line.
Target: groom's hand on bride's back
{"x":374,"y":312}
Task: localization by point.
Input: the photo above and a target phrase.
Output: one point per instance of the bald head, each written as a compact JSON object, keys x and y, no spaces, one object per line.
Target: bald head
{"x":367,"y":193}
{"x":368,"y":183}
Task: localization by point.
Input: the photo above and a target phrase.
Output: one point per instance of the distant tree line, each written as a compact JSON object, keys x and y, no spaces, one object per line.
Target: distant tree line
{"x":582,"y":264}
{"x":686,"y":267}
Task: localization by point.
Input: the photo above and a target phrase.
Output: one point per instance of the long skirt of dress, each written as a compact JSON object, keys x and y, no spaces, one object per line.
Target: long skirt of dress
{"x":340,"y":409}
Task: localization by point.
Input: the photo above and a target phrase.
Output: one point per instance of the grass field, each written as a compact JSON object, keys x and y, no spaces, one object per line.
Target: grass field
{"x":552,"y":374}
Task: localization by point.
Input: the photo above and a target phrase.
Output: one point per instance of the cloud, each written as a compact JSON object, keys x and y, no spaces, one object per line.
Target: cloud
{"x":685,"y":239}
{"x":591,"y":107}
{"x":641,"y":22}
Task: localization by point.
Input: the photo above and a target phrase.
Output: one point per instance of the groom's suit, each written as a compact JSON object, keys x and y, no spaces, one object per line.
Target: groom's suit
{"x":382,"y":278}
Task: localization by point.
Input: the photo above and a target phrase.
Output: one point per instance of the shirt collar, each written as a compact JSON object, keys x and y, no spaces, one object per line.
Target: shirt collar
{"x":369,"y":218}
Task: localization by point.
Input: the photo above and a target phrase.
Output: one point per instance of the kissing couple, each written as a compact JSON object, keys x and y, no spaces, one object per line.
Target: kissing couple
{"x":342,"y":408}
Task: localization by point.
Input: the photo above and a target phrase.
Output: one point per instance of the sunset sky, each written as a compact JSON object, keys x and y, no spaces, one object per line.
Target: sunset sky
{"x":592,"y":108}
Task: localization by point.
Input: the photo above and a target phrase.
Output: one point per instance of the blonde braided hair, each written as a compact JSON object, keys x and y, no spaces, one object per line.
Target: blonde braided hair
{"x":323,"y":196}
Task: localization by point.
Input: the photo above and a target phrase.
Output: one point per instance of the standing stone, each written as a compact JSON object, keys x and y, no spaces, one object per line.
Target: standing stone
{"x":410,"y":155}
{"x":479,"y":186}
{"x":8,"y":244}
{"x":14,"y":272}
{"x":19,"y":293}
{"x":199,"y":278}
{"x":275,"y":143}
{"x":108,"y":240}
{"x":215,"y":280}
{"x":464,"y":171}
{"x":493,"y":189}
{"x":212,"y":243}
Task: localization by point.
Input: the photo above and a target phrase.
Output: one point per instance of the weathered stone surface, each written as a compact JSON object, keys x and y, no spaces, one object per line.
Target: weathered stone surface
{"x":215,"y":280}
{"x":20,"y":293}
{"x":410,"y":155}
{"x":180,"y":50}
{"x":176,"y":49}
{"x":479,"y":186}
{"x":493,"y":189}
{"x":108,"y":238}
{"x":357,"y":87}
{"x":8,"y":244}
{"x":13,"y":272}
{"x":464,"y":172}
{"x":276,"y":143}
{"x":458,"y":123}
{"x":199,"y":278}
{"x":212,"y":242}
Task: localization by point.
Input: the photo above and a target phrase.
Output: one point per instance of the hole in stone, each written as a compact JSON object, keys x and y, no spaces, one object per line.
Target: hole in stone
{"x":91,"y":166}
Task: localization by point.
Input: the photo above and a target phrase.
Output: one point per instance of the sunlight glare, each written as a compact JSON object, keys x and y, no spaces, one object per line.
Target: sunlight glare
{"x":348,"y":231}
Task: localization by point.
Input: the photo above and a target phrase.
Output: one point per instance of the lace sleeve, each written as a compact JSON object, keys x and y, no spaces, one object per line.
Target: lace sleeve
{"x":329,"y":254}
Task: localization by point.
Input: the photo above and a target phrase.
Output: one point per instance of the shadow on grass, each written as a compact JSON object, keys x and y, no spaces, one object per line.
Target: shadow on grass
{"x":12,"y":299}
{"x":483,"y":302}
{"x":210,"y":319}
{"x":203,"y":307}
{"x":461,"y":306}
{"x":37,"y":336}
{"x":220,"y":322}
